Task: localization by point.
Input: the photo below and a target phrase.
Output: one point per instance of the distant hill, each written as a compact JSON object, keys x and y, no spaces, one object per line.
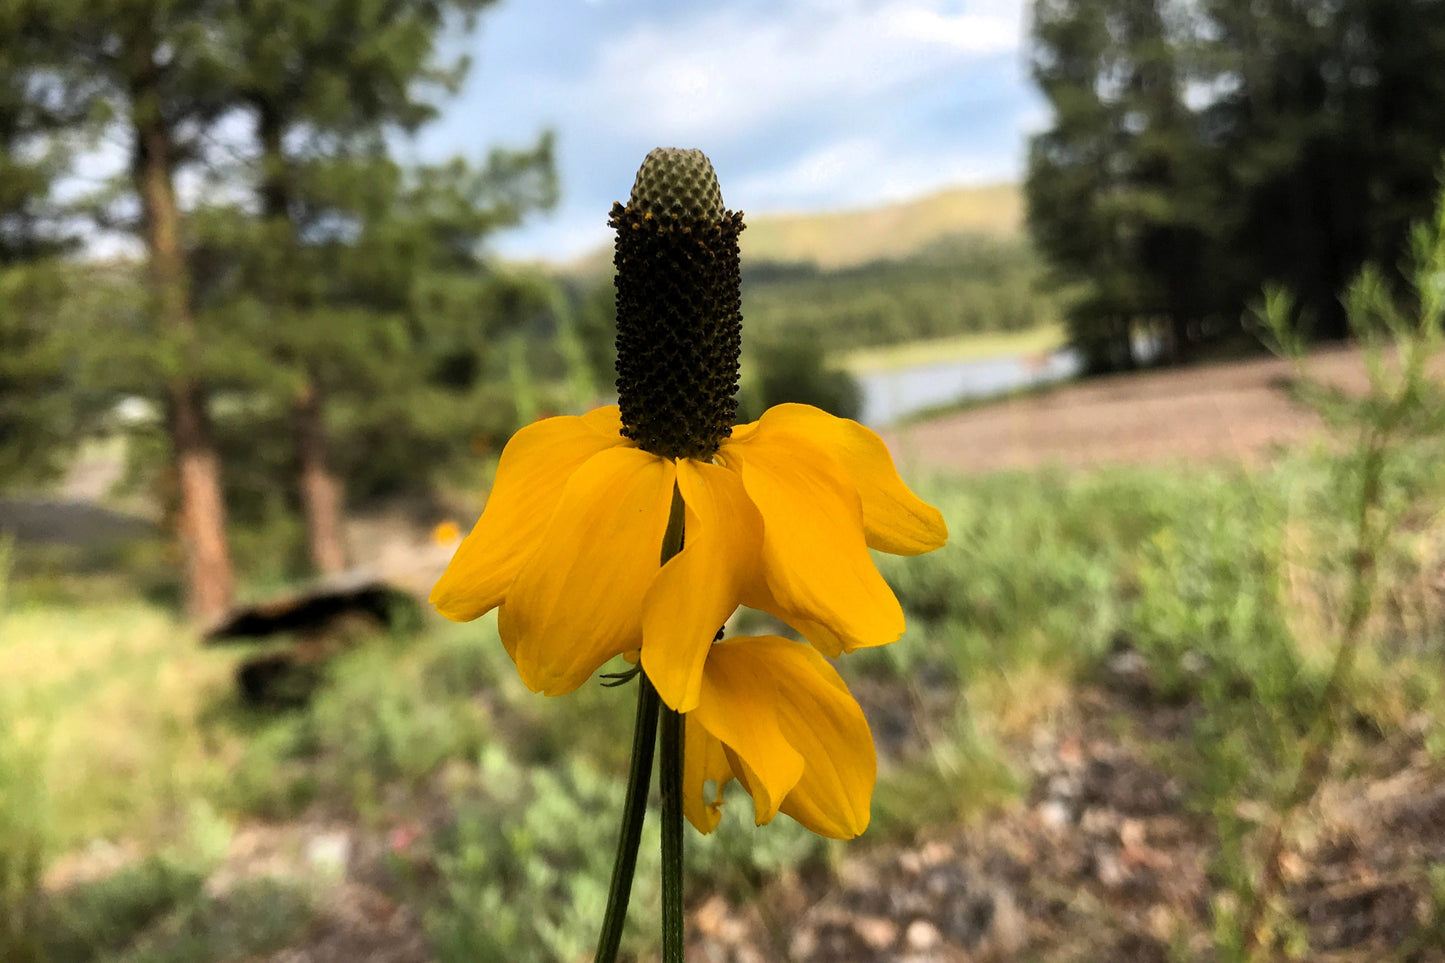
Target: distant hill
{"x":849,"y":238}
{"x":842,"y":239}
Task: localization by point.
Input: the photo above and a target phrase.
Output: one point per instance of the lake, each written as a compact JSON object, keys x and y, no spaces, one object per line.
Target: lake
{"x":894,"y":393}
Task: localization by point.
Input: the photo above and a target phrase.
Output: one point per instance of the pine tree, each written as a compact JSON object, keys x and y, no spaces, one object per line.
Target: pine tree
{"x":325,"y":82}
{"x":150,"y":67}
{"x":35,"y":405}
{"x":1113,"y":186}
{"x":1311,"y":140}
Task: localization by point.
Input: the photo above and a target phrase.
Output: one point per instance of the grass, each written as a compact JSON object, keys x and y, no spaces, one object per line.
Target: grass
{"x":963,"y":347}
{"x":110,"y":704}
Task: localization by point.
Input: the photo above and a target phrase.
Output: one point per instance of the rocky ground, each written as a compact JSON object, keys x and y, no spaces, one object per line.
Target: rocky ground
{"x":1103,"y":860}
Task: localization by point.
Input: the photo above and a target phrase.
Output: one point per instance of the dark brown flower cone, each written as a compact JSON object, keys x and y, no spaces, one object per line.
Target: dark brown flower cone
{"x":679,"y":307}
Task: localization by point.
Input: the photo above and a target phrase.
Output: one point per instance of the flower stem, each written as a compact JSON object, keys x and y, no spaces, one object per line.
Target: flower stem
{"x":634,"y":809}
{"x":670,"y":779}
{"x":639,"y":779}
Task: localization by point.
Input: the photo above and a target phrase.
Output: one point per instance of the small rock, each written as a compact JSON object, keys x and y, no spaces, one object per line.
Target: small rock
{"x":1098,"y":821}
{"x":923,"y":935}
{"x":1108,"y":870}
{"x":1129,"y":668}
{"x":911,"y":863}
{"x":1054,"y":814}
{"x":1161,"y":922}
{"x":879,"y":933}
{"x":1064,"y":787}
{"x":936,"y":852}
{"x":1009,"y":931}
{"x":708,"y":918}
{"x":733,"y":932}
{"x":803,"y":944}
{"x":329,"y":853}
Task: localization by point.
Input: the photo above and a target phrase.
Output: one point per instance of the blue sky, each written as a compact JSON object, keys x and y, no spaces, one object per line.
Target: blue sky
{"x":801,"y":104}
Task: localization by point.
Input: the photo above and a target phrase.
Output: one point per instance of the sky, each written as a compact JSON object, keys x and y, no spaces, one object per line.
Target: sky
{"x":802,"y":105}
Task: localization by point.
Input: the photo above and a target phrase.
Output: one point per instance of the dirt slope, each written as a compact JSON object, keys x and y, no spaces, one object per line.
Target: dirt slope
{"x":1237,"y":410}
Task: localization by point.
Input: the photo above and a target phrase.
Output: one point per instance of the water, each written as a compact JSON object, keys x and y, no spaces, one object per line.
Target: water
{"x":894,"y":393}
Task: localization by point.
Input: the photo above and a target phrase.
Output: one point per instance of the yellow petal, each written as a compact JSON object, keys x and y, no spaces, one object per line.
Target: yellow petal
{"x":700,"y":587}
{"x":894,"y":519}
{"x":577,"y":601}
{"x":738,"y":706}
{"x":816,"y":567}
{"x":534,"y":468}
{"x":704,"y":761}
{"x":823,"y":722}
{"x":757,"y":596}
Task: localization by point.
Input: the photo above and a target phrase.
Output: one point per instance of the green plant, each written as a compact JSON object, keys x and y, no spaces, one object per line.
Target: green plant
{"x":1403,"y":400}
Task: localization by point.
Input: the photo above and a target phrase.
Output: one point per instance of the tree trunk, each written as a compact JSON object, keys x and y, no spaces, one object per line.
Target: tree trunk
{"x":321,"y":491}
{"x":210,"y":580}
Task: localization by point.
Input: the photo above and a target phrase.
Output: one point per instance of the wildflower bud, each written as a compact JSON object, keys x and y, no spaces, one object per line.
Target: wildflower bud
{"x":679,"y":316}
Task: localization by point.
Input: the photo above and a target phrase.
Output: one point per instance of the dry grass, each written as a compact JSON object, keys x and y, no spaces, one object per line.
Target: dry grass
{"x":111,"y":700}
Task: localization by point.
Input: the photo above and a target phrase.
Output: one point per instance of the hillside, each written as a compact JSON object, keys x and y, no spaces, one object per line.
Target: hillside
{"x":841,"y":239}
{"x":844,"y":239}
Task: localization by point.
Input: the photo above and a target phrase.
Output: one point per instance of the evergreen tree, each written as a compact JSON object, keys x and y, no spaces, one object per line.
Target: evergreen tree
{"x":324,"y":83}
{"x":1112,"y":187}
{"x":1311,"y":140}
{"x":36,"y":409}
{"x":149,"y":68}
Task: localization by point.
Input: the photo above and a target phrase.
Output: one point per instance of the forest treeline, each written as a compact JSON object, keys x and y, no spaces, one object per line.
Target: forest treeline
{"x":1200,"y":149}
{"x":956,"y":285}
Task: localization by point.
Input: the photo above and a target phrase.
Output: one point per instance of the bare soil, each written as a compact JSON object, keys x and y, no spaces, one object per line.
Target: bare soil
{"x":1239,"y":411}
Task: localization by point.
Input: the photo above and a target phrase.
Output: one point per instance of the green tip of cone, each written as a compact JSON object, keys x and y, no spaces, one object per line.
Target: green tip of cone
{"x":673,"y":180}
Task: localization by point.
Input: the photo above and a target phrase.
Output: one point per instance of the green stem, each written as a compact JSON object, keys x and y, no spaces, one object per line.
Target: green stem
{"x":639,"y":779}
{"x":670,"y":779}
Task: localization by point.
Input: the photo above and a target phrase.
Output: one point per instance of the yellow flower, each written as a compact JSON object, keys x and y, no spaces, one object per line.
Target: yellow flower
{"x":780,"y":519}
{"x":775,"y":715}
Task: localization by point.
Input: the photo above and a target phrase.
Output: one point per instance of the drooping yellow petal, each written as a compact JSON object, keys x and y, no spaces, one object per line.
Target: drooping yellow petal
{"x":739,"y":706}
{"x":823,"y":722}
{"x":816,"y":566}
{"x":700,"y":587}
{"x":533,"y":470}
{"x":825,"y":640}
{"x":577,"y":601}
{"x":895,"y":520}
{"x":703,"y":761}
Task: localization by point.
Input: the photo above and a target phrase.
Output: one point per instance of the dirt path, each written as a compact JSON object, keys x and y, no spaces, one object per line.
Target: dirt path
{"x":1230,"y":411}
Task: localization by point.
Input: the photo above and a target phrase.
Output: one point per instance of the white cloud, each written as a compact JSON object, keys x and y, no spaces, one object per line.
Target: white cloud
{"x":865,"y":170}
{"x":728,"y":71}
